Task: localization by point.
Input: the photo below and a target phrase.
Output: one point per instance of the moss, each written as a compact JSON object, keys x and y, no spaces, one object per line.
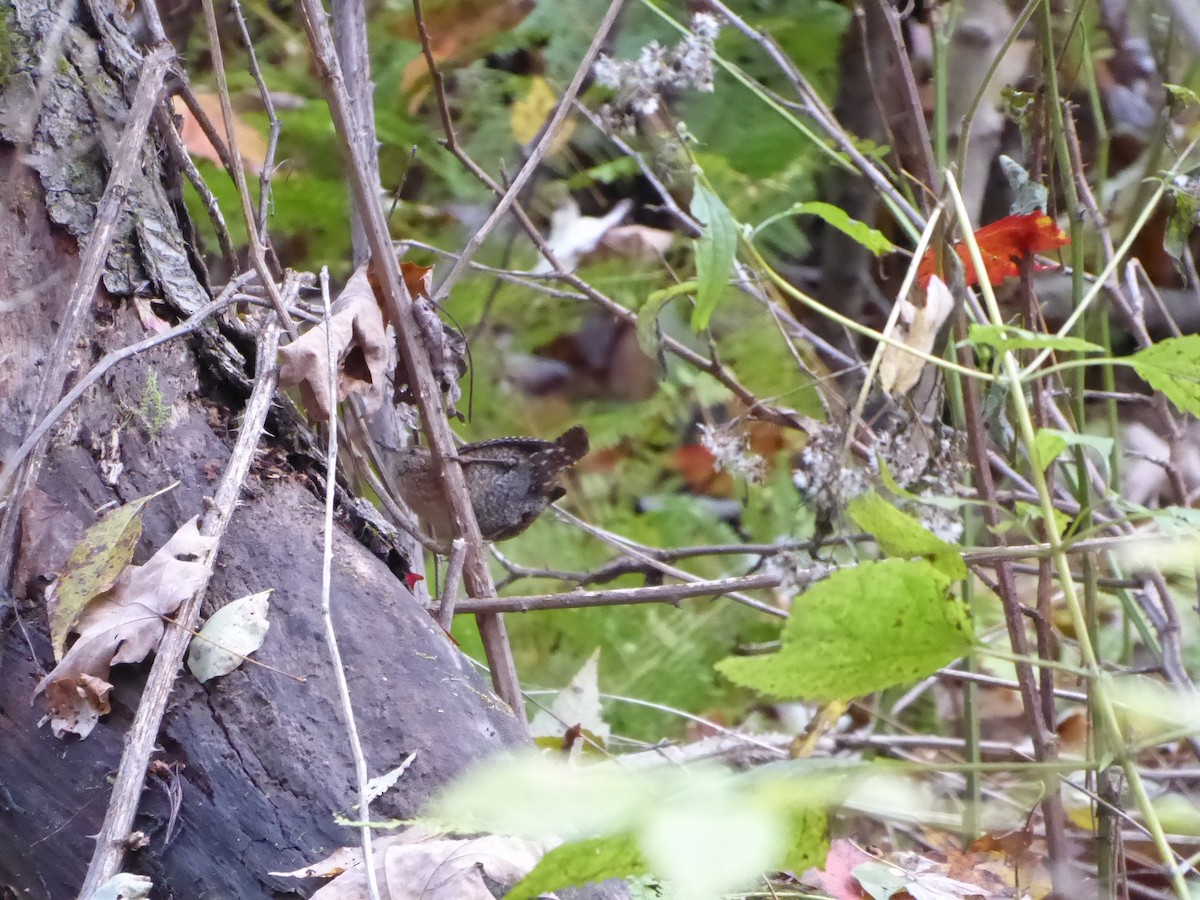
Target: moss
{"x":6,"y":44}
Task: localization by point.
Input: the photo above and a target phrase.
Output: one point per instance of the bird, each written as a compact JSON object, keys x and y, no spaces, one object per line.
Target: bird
{"x":510,"y":480}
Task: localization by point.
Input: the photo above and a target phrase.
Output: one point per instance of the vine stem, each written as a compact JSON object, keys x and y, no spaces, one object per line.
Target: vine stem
{"x":1106,"y":712}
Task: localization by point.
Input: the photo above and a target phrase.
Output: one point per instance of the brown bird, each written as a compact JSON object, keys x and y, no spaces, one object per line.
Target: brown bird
{"x":510,"y":480}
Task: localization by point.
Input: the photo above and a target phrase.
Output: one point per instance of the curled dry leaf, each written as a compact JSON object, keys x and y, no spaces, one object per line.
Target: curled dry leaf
{"x":899,"y":370}
{"x":123,"y":625}
{"x":447,"y":348}
{"x":417,"y":863}
{"x":360,"y":343}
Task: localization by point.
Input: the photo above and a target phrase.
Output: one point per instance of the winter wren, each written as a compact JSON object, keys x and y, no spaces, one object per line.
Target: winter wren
{"x":510,"y":480}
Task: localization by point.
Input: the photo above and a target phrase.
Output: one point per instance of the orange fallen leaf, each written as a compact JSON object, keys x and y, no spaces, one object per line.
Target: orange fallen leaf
{"x":250,"y":143}
{"x":1001,"y":245}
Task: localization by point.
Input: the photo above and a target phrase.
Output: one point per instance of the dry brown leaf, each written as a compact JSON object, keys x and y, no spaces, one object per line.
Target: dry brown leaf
{"x":359,"y":342}
{"x":459,"y":31}
{"x":250,"y":143}
{"x":900,"y":370}
{"x":637,"y":242}
{"x":417,"y":863}
{"x":123,"y":625}
{"x":446,"y":347}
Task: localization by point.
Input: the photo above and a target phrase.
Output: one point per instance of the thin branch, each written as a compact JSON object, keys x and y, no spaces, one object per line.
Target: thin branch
{"x":139,"y":743}
{"x":540,"y":149}
{"x":426,"y":392}
{"x":331,"y":641}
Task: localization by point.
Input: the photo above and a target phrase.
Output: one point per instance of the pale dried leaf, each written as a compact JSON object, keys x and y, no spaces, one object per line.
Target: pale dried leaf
{"x":359,"y":343}
{"x":432,"y":867}
{"x":637,"y":242}
{"x":232,"y":633}
{"x":124,"y":886}
{"x":93,"y":567}
{"x":576,"y":704}
{"x":381,"y":784}
{"x":900,"y":370}
{"x":572,"y":236}
{"x":123,"y":626}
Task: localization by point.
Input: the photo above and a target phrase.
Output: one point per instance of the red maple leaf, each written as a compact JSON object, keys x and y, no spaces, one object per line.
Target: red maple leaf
{"x":1001,"y":244}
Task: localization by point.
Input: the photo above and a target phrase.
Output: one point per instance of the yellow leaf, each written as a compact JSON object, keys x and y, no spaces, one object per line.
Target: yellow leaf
{"x":530,"y":113}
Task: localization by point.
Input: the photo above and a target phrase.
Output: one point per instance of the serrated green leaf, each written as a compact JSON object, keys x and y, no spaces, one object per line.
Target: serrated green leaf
{"x":715,"y":252}
{"x":1173,"y":367}
{"x":900,"y":535}
{"x":94,"y":566}
{"x":1007,"y":337}
{"x":582,"y":862}
{"x":861,"y":630}
{"x":836,"y":217}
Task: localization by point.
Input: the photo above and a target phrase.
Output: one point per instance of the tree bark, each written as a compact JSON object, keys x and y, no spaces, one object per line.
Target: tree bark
{"x":257,"y":761}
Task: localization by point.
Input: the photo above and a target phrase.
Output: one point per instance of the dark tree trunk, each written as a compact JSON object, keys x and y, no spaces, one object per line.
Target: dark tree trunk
{"x":259,"y":761}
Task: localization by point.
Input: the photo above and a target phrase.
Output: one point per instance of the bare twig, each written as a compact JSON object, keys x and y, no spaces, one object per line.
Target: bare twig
{"x":350,"y":40}
{"x":331,"y":641}
{"x":238,"y":170}
{"x":454,"y":564}
{"x":510,"y":196}
{"x":139,"y":743}
{"x":416,"y":359}
{"x":666,"y":593}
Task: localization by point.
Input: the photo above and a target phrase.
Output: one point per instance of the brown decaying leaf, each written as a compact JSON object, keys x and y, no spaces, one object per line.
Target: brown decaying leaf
{"x":459,"y":31}
{"x":359,"y":342}
{"x":93,"y":567}
{"x":446,"y":347}
{"x":123,"y":626}
{"x":251,"y":145}
{"x":431,"y":866}
{"x":900,"y":370}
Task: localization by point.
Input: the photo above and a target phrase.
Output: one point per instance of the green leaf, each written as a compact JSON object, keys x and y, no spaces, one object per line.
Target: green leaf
{"x":861,"y":630}
{"x":649,"y":335}
{"x":880,"y":881}
{"x":581,"y":862}
{"x":715,"y":252}
{"x":836,"y":217}
{"x":1185,"y":191}
{"x":94,"y":566}
{"x":899,"y":534}
{"x":1173,"y":367}
{"x":1047,"y":445}
{"x":1007,"y":337}
{"x":1183,"y":96}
